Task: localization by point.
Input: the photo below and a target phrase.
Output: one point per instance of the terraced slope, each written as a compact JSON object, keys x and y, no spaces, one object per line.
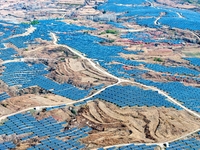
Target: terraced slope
{"x":145,"y":124}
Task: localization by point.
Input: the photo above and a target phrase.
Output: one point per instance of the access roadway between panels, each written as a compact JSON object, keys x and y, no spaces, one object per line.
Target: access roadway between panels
{"x":128,"y":81}
{"x":106,"y":73}
{"x":119,"y":80}
{"x":124,"y":80}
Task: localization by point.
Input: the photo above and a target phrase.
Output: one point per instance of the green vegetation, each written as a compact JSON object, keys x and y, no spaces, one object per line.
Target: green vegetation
{"x":34,"y":22}
{"x":110,"y":31}
{"x":62,"y":59}
{"x":102,"y":33}
{"x":158,"y":59}
{"x":73,"y":112}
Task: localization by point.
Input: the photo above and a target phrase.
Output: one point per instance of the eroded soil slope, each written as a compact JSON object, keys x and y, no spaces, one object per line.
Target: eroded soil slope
{"x":113,"y":125}
{"x":78,"y":72}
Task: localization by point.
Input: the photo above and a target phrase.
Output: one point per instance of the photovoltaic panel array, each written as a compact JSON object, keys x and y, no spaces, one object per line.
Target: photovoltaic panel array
{"x":54,"y":132}
{"x":188,"y":95}
{"x":134,"y":96}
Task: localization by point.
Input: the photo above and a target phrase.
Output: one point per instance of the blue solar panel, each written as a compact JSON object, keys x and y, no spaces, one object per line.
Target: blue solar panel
{"x":187,"y":94}
{"x":43,"y":128}
{"x":19,"y":73}
{"x":190,"y":143}
{"x":7,"y":145}
{"x":133,"y":96}
{"x":4,"y":96}
{"x":194,"y":61}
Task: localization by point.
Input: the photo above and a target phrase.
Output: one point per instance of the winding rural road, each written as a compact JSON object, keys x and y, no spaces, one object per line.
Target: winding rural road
{"x":119,"y":80}
{"x":110,"y":75}
{"x":124,"y":80}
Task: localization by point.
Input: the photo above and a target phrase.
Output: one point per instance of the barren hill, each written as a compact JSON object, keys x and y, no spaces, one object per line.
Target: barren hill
{"x":141,"y":125}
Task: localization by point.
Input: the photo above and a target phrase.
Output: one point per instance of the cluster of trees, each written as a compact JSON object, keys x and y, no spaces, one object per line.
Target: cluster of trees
{"x":34,"y":22}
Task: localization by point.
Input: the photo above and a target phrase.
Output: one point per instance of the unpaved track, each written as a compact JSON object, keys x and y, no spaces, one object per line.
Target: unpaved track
{"x":123,"y":80}
{"x":94,"y":112}
{"x":41,"y":107}
{"x":30,"y":30}
{"x":112,"y":76}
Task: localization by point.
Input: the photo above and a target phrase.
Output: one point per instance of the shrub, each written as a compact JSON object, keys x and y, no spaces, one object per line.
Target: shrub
{"x":158,"y":59}
{"x":34,"y":22}
{"x":73,"y":111}
{"x":4,"y":105}
{"x":112,"y":31}
{"x":102,"y":33}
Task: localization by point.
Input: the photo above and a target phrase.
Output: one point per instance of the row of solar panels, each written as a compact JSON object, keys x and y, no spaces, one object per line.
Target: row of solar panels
{"x":47,"y":128}
{"x":188,"y":95}
{"x":4,"y":96}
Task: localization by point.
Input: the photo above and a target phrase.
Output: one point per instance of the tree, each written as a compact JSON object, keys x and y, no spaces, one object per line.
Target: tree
{"x":34,"y":22}
{"x":158,"y":59}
